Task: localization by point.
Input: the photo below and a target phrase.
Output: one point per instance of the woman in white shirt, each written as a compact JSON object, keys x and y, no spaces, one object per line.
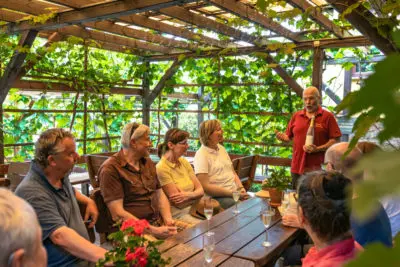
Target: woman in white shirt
{"x":213,"y":166}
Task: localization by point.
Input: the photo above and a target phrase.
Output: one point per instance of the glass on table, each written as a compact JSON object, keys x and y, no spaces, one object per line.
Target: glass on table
{"x":208,"y":246}
{"x":266,"y":217}
{"x":236,"y":196}
{"x":285,"y":202}
{"x":208,"y":212}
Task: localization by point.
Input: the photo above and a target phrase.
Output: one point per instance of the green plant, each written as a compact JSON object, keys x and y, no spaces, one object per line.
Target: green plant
{"x":132,"y":248}
{"x":278,"y":179}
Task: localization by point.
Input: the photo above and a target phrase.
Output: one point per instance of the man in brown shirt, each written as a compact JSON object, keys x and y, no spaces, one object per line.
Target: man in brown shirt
{"x":129,"y":184}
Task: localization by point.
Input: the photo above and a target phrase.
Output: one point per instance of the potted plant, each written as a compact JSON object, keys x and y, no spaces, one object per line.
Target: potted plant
{"x":131,"y":248}
{"x":275,"y":184}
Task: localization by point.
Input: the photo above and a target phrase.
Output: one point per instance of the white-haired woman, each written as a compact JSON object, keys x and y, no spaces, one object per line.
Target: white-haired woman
{"x":129,"y":184}
{"x":213,"y":165}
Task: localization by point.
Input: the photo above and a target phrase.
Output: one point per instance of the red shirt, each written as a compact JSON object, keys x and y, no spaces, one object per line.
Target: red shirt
{"x":325,"y":128}
{"x":335,"y":255}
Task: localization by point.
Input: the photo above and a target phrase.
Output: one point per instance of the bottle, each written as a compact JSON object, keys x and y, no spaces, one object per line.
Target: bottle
{"x":310,"y":133}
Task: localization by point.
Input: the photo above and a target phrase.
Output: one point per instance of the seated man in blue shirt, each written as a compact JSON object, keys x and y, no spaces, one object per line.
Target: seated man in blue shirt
{"x":48,"y":189}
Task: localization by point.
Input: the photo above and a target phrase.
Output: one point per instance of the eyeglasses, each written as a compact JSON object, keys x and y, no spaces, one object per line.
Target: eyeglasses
{"x":328,"y":166}
{"x":184,"y":142}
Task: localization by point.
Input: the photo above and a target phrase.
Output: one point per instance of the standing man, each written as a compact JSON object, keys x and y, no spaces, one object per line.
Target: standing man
{"x":326,"y":133}
{"x":48,"y":189}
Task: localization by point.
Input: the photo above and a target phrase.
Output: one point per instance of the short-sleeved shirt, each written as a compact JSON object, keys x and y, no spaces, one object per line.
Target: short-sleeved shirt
{"x":180,"y":175}
{"x":325,"y":128}
{"x":217,"y":164}
{"x":55,"y":207}
{"x":119,"y":180}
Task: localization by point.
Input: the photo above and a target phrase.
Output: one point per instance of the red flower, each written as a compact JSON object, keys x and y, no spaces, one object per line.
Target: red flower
{"x":137,"y":225}
{"x":140,"y":255}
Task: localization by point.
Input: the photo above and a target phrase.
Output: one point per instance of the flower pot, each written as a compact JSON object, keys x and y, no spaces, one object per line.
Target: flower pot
{"x":275,"y":197}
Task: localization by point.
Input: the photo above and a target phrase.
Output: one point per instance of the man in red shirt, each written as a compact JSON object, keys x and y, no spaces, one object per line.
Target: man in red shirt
{"x":326,"y":133}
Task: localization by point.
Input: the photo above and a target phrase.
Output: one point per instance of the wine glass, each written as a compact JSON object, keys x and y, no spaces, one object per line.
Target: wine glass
{"x":266,"y":217}
{"x":208,"y":212}
{"x":236,"y":196}
{"x":208,"y":246}
{"x":285,"y":202}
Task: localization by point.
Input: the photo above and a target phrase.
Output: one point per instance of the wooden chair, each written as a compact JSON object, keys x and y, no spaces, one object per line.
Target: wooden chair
{"x":93,"y":163}
{"x":245,"y":168}
{"x":4,"y":182}
{"x":16,"y":173}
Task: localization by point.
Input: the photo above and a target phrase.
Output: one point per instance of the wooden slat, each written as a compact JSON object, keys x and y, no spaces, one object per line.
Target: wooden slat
{"x":14,"y":66}
{"x":98,"y":12}
{"x":280,"y":237}
{"x":249,"y":13}
{"x":318,"y":64}
{"x":360,"y":18}
{"x":167,"y":75}
{"x":138,"y":34}
{"x":180,"y":253}
{"x":198,"y":260}
{"x":201,"y":228}
{"x":9,"y":16}
{"x":302,"y":45}
{"x":104,"y":37}
{"x":61,"y":87}
{"x":79,"y":3}
{"x":204,"y":22}
{"x":145,"y":22}
{"x":237,"y":262}
{"x":32,"y":7}
{"x":320,"y":18}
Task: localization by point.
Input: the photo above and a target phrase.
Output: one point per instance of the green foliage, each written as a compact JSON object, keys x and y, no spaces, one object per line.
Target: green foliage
{"x":278,"y":179}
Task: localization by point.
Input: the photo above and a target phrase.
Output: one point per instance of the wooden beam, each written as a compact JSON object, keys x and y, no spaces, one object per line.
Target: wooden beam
{"x":167,"y":75}
{"x":14,"y":66}
{"x":359,"y":18}
{"x":318,"y":61}
{"x":249,"y":13}
{"x":285,"y":76}
{"x":110,"y":38}
{"x":10,"y":16}
{"x":112,"y":27}
{"x":320,"y":18}
{"x":59,"y":87}
{"x":94,"y":13}
{"x":204,"y":22}
{"x":146,"y":92}
{"x":32,"y":7}
{"x":145,"y":22}
{"x":302,"y":45}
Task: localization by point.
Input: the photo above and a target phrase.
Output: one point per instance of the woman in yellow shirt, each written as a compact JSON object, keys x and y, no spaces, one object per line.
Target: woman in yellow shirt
{"x":176,"y":175}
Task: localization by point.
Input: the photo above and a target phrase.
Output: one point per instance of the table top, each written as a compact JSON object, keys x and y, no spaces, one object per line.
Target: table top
{"x":238,"y":239}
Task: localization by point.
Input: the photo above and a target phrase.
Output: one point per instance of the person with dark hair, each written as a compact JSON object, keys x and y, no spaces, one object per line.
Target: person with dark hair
{"x":176,"y":175}
{"x":129,"y":184}
{"x":324,"y":213}
{"x":48,"y":189}
{"x":213,"y":166}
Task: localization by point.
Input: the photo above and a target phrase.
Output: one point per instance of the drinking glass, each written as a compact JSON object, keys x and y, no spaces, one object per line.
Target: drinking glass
{"x":208,"y":212}
{"x":285,"y":202}
{"x":266,"y":217}
{"x":236,"y":196}
{"x":208,"y":246}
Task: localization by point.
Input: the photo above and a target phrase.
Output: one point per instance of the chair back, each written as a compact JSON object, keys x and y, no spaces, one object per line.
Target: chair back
{"x":104,"y":222}
{"x":245,"y":168}
{"x":93,"y":164}
{"x":16,"y":173}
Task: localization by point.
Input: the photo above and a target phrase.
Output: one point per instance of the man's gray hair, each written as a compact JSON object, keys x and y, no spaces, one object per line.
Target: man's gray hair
{"x":133,"y":131}
{"x":47,"y":144}
{"x":335,"y":154}
{"x":18,"y":226}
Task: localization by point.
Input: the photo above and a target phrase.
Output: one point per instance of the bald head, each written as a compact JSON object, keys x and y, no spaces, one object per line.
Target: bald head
{"x":334,"y":156}
{"x":312,"y":90}
{"x":311,"y":99}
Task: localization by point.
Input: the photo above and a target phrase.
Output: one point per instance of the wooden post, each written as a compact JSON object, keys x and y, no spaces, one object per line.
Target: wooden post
{"x":146,"y":92}
{"x":200,"y":115}
{"x":85,"y":103}
{"x":346,"y":90}
{"x":318,"y":61}
{"x":1,"y":135}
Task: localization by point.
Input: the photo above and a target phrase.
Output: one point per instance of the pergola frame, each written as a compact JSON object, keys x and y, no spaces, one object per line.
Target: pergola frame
{"x":141,"y":27}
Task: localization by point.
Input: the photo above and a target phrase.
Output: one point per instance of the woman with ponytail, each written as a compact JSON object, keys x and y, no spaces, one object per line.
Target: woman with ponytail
{"x":176,"y":175}
{"x":324,"y":213}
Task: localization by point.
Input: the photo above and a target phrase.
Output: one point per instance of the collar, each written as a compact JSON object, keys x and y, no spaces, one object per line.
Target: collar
{"x":212,"y":150}
{"x":36,"y":168}
{"x":318,"y":113}
{"x":120,"y":157}
{"x":169,"y":163}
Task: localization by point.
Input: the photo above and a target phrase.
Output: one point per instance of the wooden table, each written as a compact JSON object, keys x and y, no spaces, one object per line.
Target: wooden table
{"x":238,"y":239}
